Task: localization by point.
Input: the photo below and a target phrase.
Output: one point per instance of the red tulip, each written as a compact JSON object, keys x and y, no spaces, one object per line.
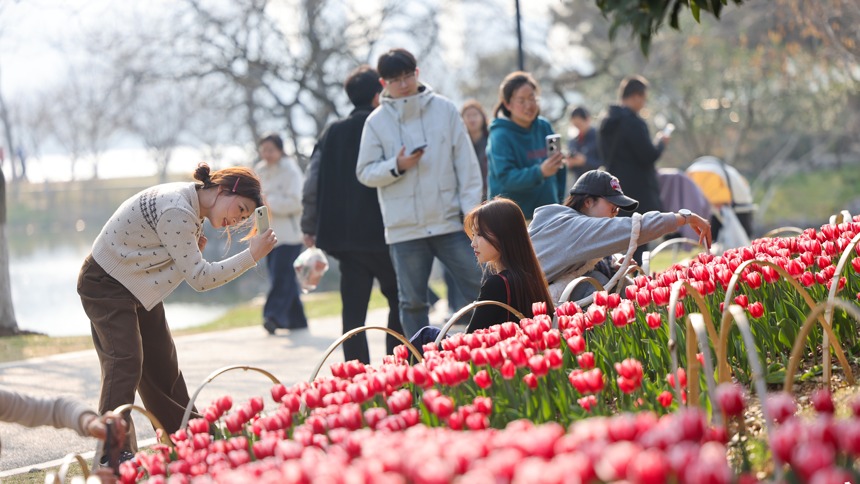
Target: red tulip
{"x":587,"y":402}
{"x":531,"y":380}
{"x":539,"y":308}
{"x":682,"y":378}
{"x":854,"y":405}
{"x":576,"y":344}
{"x":508,"y":370}
{"x":756,"y":309}
{"x":630,"y":292}
{"x":742,"y":300}
{"x":586,"y":360}
{"x":679,"y":310}
{"x":224,"y":403}
{"x":482,"y":379}
{"x":823,"y":261}
{"x":831,"y":475}
{"x":770,"y":274}
{"x":822,"y":400}
{"x":855,"y":263}
{"x":809,"y":458}
{"x":600,"y":298}
{"x":753,"y":280}
{"x":596,"y":314}
{"x":620,"y":317}
{"x":555,"y":358}
{"x":654,"y":320}
{"x":665,"y":399}
{"x":660,"y":296}
{"x":649,"y":467}
{"x":780,"y":406}
{"x":613,"y":300}
{"x":807,"y":279}
{"x":539,"y":365}
{"x":643,"y":297}
{"x":730,"y":399}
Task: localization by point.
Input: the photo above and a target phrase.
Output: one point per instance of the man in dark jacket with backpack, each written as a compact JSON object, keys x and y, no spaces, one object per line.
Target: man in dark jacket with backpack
{"x":627,"y":149}
{"x":342,"y":217}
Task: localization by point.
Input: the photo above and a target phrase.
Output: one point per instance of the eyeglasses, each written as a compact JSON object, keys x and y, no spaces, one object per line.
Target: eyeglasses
{"x":405,"y":78}
{"x":524,"y":101}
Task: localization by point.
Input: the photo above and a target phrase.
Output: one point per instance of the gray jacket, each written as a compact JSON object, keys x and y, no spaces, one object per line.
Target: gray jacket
{"x":566,"y":240}
{"x":431,"y":198}
{"x":28,"y":411}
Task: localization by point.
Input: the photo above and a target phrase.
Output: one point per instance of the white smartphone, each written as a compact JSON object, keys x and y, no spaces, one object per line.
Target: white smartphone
{"x":553,"y":144}
{"x":261,"y":218}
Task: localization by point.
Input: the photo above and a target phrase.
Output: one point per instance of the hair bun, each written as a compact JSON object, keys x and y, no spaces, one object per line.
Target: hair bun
{"x":202,"y":173}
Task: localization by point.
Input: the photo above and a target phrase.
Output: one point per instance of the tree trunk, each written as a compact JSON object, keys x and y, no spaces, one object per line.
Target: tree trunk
{"x":8,"y":323}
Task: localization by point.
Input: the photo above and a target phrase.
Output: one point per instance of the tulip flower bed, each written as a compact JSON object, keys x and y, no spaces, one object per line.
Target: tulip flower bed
{"x":535,"y":400}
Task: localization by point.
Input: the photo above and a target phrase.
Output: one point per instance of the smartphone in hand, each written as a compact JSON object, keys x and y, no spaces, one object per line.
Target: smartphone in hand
{"x":261,"y":218}
{"x":418,"y":148}
{"x":553,"y":144}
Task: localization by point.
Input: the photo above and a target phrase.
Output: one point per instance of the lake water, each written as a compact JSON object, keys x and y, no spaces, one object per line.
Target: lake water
{"x":44,"y":292}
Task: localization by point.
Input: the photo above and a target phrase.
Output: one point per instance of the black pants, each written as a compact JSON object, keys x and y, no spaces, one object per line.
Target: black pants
{"x":357,"y":272}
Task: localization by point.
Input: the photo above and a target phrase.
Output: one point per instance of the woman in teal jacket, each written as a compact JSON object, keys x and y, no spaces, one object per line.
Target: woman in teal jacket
{"x":518,"y":166}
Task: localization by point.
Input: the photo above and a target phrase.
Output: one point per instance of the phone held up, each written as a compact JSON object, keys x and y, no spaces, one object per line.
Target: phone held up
{"x":418,"y":148}
{"x":261,"y":218}
{"x":553,"y":144}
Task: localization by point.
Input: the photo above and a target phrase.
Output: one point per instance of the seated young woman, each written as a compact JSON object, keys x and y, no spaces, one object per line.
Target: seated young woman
{"x":512,"y":274}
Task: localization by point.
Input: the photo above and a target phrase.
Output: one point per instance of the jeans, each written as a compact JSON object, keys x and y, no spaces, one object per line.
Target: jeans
{"x":283,"y":306}
{"x":413,"y":261}
{"x":357,"y":271}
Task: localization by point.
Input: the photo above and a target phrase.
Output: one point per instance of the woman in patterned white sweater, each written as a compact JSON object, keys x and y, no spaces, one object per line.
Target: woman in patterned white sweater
{"x":152,"y":243}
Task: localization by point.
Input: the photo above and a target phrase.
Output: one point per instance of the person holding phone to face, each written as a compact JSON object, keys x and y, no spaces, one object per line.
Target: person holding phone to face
{"x":520,"y":165}
{"x":416,"y":152}
{"x":282,"y":181}
{"x":150,"y":245}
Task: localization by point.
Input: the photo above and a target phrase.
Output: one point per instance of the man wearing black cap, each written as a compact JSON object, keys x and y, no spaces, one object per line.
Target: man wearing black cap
{"x":572,"y":239}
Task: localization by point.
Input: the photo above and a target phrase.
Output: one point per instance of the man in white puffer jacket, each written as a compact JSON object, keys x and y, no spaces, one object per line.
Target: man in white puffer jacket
{"x":416,"y":152}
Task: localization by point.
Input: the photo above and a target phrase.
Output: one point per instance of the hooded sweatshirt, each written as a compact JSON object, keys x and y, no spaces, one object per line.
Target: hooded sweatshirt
{"x":629,"y":154}
{"x":566,"y":241}
{"x":514,"y":156}
{"x":430,"y":198}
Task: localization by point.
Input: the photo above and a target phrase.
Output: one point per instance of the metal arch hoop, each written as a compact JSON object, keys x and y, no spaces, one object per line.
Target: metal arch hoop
{"x":60,"y":476}
{"x":211,"y":377}
{"x":351,"y":333}
{"x":576,"y":282}
{"x":725,"y":323}
{"x":664,"y":245}
{"x":783,"y":230}
{"x":692,"y":369}
{"x":814,"y":315}
{"x":459,"y":314}
{"x":834,"y":287}
{"x":737,"y":313}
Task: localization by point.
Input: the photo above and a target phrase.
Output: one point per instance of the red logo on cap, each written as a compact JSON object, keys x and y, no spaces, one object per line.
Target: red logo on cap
{"x":615,"y":184}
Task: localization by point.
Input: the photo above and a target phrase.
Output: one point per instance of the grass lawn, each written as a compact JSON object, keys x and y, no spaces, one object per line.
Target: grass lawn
{"x":13,"y":348}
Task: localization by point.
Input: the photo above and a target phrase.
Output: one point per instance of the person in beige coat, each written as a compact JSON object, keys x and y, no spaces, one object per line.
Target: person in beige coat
{"x":282,"y":182}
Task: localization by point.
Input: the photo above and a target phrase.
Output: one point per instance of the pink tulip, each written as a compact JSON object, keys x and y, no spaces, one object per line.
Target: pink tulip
{"x":654,"y":320}
{"x":730,"y":399}
{"x":587,"y":402}
{"x":585,"y":360}
{"x":508,"y":370}
{"x":576,"y":344}
{"x":665,"y":399}
{"x":780,"y":406}
{"x":807,"y":279}
{"x":531,"y":381}
{"x":831,"y":475}
{"x":596,"y":314}
{"x":483,"y":380}
{"x":756,"y":309}
{"x":649,"y":467}
{"x":600,"y":298}
{"x":224,"y":403}
{"x":822,"y":400}
{"x":808,"y":458}
{"x":742,"y":300}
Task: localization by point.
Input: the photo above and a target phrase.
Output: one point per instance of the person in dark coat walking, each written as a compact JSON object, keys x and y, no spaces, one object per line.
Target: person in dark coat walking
{"x":342,"y":217}
{"x":627,"y":150}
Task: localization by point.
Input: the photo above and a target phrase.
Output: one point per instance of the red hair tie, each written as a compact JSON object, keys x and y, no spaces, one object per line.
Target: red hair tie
{"x":236,"y":185}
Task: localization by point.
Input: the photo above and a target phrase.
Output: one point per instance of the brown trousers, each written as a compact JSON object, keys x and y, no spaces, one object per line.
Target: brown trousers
{"x":134,"y":346}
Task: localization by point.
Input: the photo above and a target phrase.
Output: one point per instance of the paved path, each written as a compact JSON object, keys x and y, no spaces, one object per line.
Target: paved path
{"x":290,"y":356}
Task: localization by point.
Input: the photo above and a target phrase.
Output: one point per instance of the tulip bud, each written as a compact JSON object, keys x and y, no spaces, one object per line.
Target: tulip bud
{"x":531,"y":380}
{"x":756,"y":309}
{"x":654,"y":320}
{"x":665,"y":399}
{"x":586,"y":362}
{"x":730,"y":399}
{"x":822,"y":400}
{"x":482,"y":379}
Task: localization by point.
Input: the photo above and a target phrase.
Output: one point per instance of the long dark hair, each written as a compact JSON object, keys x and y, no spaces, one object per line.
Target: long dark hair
{"x":511,"y":83}
{"x":502,"y":223}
